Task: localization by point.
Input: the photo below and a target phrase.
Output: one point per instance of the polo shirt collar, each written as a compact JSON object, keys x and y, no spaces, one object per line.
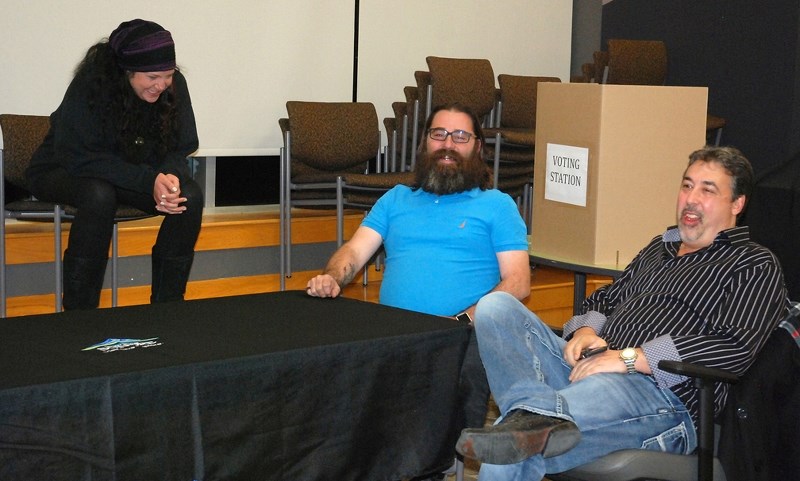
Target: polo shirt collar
{"x":467,"y":193}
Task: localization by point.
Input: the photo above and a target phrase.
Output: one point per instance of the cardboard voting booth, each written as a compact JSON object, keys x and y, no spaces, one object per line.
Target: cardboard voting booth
{"x":608,"y":165}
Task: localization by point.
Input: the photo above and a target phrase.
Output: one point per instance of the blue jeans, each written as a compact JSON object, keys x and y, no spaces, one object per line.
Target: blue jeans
{"x":526,"y":370}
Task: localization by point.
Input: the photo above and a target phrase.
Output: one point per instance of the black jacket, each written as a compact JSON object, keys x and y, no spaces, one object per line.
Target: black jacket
{"x":83,"y":144}
{"x":760,"y":435}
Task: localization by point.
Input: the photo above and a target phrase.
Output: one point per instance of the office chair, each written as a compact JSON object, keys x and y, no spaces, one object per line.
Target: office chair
{"x":704,"y":464}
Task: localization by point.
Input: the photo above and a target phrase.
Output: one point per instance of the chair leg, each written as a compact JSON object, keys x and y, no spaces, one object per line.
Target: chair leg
{"x":528,"y":206}
{"x":282,"y":207}
{"x":497,"y":140}
{"x":414,"y":135}
{"x":339,"y":212}
{"x":403,"y":153}
{"x":114,"y":263}
{"x":459,"y":470}
{"x":3,"y":264}
{"x":57,"y":262}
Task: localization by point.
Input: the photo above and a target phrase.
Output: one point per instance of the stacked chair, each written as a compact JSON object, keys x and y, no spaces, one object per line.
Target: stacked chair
{"x":325,"y":163}
{"x":639,"y":62}
{"x":507,"y":114}
{"x":515,"y":137}
{"x":321,"y":141}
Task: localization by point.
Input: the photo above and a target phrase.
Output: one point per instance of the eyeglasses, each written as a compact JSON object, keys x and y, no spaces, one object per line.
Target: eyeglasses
{"x":459,"y":136}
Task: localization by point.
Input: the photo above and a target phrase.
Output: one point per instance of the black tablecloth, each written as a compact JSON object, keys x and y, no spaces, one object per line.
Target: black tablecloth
{"x":275,"y":386}
{"x":773,"y":214}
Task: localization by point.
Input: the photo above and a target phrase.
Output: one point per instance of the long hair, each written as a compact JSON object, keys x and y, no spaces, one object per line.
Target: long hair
{"x":122,"y":112}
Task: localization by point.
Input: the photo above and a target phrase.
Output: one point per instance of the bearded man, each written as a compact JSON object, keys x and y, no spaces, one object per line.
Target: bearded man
{"x":449,"y":240}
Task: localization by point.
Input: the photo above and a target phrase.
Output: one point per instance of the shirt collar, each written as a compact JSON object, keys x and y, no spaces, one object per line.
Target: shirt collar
{"x":734,"y":236}
{"x":467,"y":193}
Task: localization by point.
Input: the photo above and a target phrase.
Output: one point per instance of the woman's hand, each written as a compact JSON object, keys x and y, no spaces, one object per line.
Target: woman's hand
{"x":167,"y":194}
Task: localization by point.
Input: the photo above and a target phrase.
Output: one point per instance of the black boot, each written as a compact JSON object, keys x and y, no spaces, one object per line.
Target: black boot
{"x":520,"y":435}
{"x":83,"y":281}
{"x":170,"y":275}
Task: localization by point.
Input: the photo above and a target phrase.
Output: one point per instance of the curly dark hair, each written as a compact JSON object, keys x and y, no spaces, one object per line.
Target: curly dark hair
{"x":121,"y":109}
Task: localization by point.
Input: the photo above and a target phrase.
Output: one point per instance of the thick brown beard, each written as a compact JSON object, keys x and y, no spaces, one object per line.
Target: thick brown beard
{"x":439,"y":179}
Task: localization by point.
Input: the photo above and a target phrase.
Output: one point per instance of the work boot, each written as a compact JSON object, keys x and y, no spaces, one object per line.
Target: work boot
{"x":520,"y":435}
{"x":83,"y":281}
{"x":170,"y":275}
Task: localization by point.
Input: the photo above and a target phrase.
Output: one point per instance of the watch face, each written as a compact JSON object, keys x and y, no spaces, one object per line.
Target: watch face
{"x":628,"y":353}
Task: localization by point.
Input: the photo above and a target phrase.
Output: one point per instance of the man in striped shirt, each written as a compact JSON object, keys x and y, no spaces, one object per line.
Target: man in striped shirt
{"x":701,"y":292}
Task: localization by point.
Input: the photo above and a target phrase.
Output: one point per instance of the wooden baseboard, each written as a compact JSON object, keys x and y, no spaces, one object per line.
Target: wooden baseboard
{"x":29,"y":242}
{"x":32,"y":242}
{"x":550,"y":299}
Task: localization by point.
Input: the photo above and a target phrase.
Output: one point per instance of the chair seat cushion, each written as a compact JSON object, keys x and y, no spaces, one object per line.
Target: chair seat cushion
{"x":32,"y":206}
{"x":385,"y":180}
{"x":526,"y":137}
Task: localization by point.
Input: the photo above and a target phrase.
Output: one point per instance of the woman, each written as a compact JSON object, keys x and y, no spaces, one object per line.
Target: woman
{"x":121,"y":136}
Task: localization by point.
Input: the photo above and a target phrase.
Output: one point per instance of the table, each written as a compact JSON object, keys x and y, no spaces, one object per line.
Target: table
{"x":580,"y":271}
{"x":276,"y":386}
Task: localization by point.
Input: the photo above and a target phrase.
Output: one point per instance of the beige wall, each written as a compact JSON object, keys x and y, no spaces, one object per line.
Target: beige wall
{"x":244,"y":59}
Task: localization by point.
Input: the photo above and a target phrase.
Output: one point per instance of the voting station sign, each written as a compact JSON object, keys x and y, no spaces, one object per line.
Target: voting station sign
{"x":566,"y":174}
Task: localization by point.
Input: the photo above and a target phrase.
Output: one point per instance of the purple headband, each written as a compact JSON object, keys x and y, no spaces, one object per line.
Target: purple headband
{"x":142,"y":46}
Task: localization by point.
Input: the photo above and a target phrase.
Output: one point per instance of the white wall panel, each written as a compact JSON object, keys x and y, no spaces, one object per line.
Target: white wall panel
{"x":244,"y":59}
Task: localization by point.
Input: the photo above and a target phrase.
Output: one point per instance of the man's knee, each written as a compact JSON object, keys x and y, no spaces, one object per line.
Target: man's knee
{"x":498,"y":306}
{"x":503,"y":309}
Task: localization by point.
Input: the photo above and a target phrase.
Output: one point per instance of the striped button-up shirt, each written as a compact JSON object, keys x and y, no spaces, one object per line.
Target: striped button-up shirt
{"x":715,"y":307}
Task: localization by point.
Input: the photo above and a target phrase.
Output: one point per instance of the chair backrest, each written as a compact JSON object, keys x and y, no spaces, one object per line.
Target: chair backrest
{"x":600,"y":62}
{"x":464,"y":80}
{"x":637,"y":62}
{"x":518,"y":94}
{"x":423,"y":80}
{"x":22,"y":135}
{"x":411,"y":94}
{"x":333,"y":136}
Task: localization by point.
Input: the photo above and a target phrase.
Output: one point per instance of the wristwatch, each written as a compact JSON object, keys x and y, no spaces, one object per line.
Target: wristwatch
{"x":464,"y":317}
{"x":628,"y":356}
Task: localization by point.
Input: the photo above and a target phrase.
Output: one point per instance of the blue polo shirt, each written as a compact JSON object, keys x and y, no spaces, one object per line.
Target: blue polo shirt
{"x":441,"y":250}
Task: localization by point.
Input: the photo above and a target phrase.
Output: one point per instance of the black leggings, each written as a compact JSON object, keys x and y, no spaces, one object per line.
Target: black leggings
{"x":96,"y":201}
